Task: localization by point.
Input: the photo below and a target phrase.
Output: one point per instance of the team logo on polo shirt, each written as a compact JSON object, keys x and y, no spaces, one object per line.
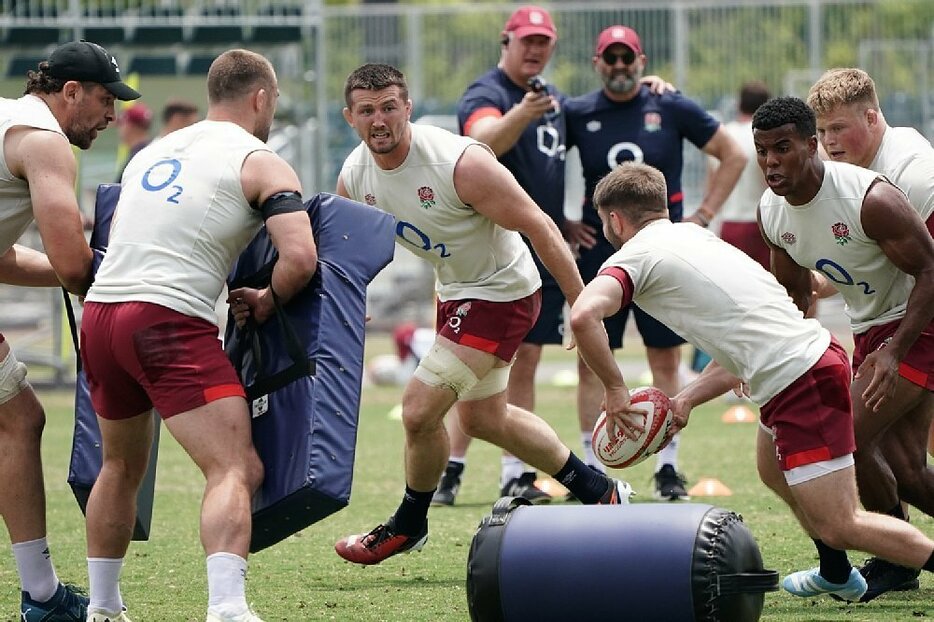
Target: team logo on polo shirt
{"x":593,"y":126}
{"x":841,"y":233}
{"x":369,"y":199}
{"x":653,"y":121}
{"x":426,"y":197}
{"x":789,"y":238}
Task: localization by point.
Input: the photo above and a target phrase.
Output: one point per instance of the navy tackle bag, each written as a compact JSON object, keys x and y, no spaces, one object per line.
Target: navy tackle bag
{"x":303,"y":368}
{"x":649,"y":562}
{"x":86,"y":456}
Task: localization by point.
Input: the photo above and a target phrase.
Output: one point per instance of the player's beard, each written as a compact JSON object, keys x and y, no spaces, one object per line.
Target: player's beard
{"x":622,"y":82}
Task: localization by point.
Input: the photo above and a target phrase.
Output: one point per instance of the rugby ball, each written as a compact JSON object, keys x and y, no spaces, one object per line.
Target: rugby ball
{"x":621,"y":451}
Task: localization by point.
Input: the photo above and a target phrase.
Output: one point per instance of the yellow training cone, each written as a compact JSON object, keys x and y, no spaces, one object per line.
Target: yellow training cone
{"x":395,"y":413}
{"x":709,"y":487}
{"x":552,"y":486}
{"x":738,"y":414}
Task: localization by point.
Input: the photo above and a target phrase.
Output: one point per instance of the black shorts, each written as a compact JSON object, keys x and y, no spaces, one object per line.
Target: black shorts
{"x":654,"y":333}
{"x":549,"y":328}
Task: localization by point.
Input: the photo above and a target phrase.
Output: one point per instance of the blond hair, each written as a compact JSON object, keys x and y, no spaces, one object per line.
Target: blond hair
{"x":843,"y":87}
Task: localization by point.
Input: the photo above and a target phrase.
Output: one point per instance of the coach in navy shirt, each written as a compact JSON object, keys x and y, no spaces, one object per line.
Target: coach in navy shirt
{"x":624,"y":121}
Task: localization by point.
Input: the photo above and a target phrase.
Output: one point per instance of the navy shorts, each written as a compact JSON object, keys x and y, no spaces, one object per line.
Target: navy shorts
{"x":654,"y":333}
{"x":549,"y":328}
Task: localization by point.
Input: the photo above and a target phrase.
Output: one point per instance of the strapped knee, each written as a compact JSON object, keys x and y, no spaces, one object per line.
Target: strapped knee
{"x":12,"y":378}
{"x":442,"y":368}
{"x":491,"y":384}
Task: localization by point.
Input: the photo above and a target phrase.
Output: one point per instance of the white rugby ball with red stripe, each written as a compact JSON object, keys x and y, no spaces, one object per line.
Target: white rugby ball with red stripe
{"x":621,"y":451}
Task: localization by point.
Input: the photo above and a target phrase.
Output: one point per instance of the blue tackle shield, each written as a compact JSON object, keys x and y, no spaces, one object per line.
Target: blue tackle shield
{"x":303,"y":368}
{"x":86,"y":456}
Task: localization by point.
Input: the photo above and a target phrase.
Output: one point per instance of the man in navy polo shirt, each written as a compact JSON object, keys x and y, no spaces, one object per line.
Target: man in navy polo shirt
{"x":624,"y":121}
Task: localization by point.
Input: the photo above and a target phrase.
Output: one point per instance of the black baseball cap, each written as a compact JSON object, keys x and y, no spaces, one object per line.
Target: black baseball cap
{"x":88,"y":62}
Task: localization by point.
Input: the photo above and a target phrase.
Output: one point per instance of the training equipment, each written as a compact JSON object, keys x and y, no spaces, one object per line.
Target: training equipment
{"x":622,"y":451}
{"x":645,"y":562}
{"x":86,"y":456}
{"x":303,"y":369}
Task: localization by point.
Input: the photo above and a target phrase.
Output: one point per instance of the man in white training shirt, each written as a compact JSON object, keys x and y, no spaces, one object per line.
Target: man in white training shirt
{"x":69,"y":100}
{"x":460,"y":209}
{"x":723,"y":302}
{"x":858,"y":230}
{"x":189,"y":205}
{"x":892,"y":467}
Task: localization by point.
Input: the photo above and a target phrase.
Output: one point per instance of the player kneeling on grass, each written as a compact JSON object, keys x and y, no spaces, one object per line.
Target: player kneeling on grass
{"x":726,"y":304}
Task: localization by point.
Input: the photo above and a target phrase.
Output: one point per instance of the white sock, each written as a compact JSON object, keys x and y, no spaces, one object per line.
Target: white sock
{"x":512,"y":468}
{"x":589,"y":457}
{"x":226,"y":584}
{"x":669,"y":455}
{"x":104,"y":584}
{"x":36,"y":575}
{"x":462,"y":460}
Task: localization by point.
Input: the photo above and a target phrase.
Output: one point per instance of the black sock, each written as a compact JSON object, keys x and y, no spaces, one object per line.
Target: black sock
{"x":898,"y":513}
{"x":929,"y":564}
{"x":585,"y":483}
{"x":413,"y":512}
{"x":454,"y":468}
{"x":834,"y":565}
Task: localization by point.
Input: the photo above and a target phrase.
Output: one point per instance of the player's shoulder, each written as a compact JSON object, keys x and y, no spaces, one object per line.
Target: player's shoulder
{"x":583,"y":104}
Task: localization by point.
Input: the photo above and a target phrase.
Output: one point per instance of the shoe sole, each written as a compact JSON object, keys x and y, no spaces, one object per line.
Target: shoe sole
{"x":660,"y":497}
{"x":907,"y":586}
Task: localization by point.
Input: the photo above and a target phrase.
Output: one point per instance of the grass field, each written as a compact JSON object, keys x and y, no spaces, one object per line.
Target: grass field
{"x":302,"y":579}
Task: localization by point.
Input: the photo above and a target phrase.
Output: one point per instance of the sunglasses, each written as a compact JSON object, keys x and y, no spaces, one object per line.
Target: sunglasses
{"x":628,"y":57}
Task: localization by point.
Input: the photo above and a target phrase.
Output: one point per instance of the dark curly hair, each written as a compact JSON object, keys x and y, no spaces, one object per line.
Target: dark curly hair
{"x":40,"y":81}
{"x":782,"y":111}
{"x":375,"y":77}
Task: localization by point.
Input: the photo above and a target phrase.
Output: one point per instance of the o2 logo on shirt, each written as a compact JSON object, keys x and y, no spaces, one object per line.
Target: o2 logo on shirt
{"x":838,"y":274}
{"x":160,"y":176}
{"x":633,"y":151}
{"x":411,"y":234}
{"x":549,"y":141}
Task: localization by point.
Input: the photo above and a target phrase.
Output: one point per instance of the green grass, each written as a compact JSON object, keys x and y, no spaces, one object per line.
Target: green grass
{"x":302,"y":579}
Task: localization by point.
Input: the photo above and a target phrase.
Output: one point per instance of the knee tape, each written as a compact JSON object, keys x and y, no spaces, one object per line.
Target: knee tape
{"x":441,"y":368}
{"x":12,"y":378}
{"x":491,"y":384}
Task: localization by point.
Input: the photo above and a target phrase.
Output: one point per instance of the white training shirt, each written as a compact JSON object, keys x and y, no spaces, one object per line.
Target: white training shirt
{"x":15,"y":201}
{"x":181,"y":220}
{"x":826,"y":234}
{"x":907,"y":159}
{"x":723,"y":302}
{"x":741,"y":205}
{"x":472,"y":256}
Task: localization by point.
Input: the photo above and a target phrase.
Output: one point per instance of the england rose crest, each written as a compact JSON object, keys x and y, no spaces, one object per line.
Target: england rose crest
{"x":841,"y":233}
{"x":370,"y":199}
{"x":426,"y":197}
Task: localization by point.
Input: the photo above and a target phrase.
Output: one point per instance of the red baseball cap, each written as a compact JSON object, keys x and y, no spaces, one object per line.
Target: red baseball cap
{"x":139,"y":114}
{"x":619,"y":34}
{"x":530,"y":20}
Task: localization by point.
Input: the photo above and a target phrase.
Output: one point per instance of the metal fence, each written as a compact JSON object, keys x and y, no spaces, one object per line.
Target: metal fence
{"x":705,"y":47}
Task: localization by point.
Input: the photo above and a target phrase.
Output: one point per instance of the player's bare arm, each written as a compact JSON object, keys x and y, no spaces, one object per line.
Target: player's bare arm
{"x":796,"y":279}
{"x":487,"y":186}
{"x":45,"y":160}
{"x":721,"y":181}
{"x":26,"y":267}
{"x":265,"y":174}
{"x":889,"y":219}
{"x":600,"y":299}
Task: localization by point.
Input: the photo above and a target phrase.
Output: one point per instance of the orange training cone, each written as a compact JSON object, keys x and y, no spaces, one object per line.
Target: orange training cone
{"x":738,"y":414}
{"x":709,"y":487}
